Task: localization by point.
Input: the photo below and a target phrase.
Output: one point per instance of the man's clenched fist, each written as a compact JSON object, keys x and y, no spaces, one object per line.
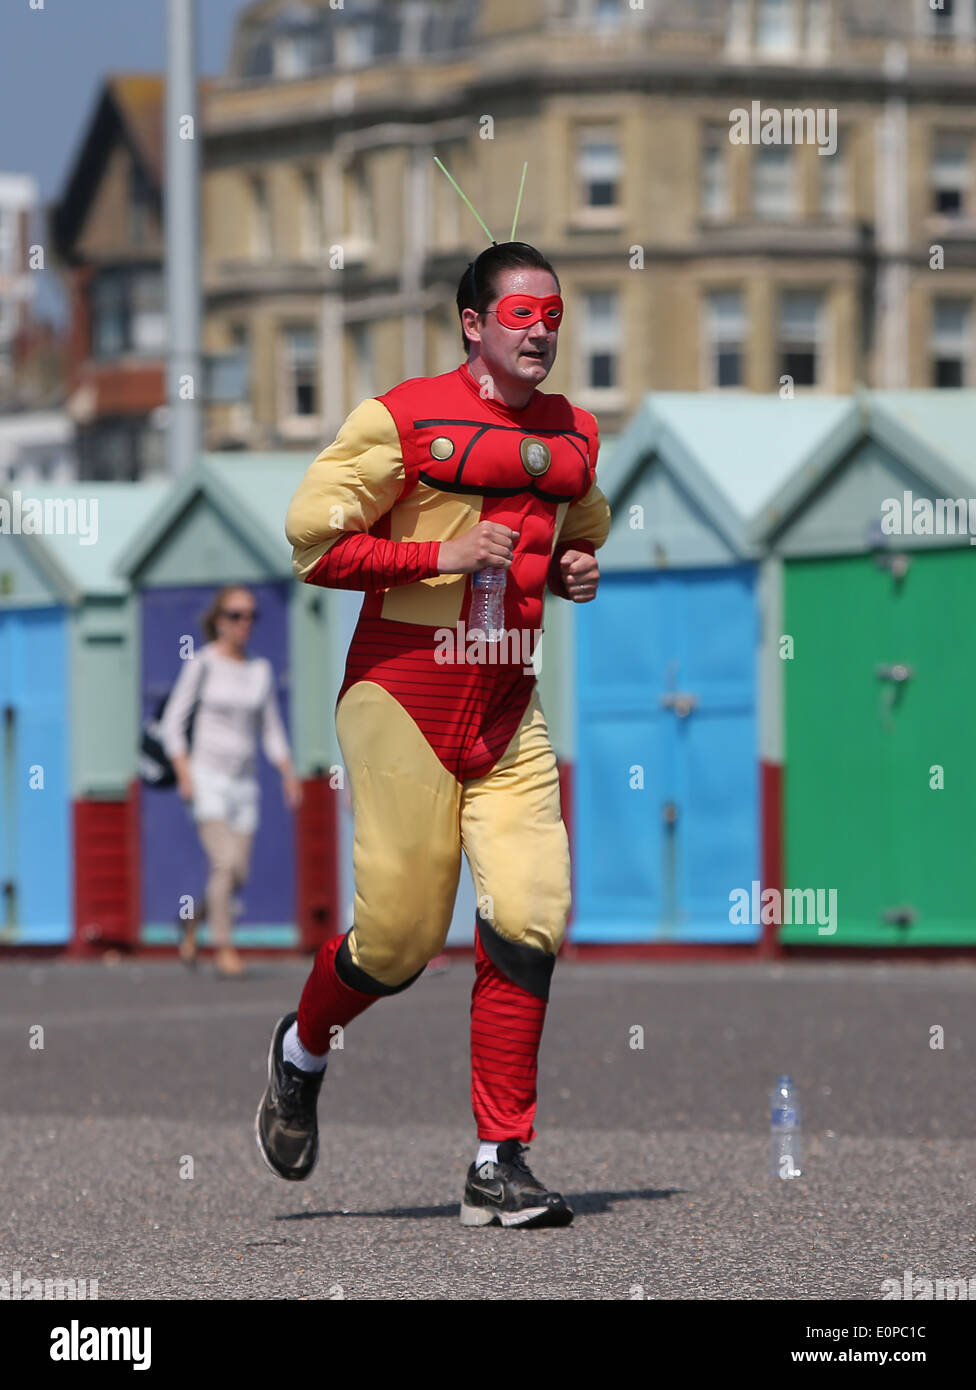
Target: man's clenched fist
{"x":489,"y":545}
{"x":580,"y":574}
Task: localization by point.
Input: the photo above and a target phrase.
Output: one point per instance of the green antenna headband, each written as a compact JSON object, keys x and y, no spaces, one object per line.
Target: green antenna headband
{"x":470,"y":205}
{"x":460,"y":191}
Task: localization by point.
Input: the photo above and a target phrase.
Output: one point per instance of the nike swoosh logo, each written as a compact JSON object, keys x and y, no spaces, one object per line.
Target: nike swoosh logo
{"x":497,"y":1191}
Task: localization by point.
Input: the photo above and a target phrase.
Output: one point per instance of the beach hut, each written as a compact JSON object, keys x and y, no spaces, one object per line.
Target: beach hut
{"x":873,"y":540}
{"x":67,"y":682}
{"x":223,"y":523}
{"x":676,"y":806}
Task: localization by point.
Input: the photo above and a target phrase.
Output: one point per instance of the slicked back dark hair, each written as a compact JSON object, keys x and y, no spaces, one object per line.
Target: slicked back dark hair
{"x":477,"y":287}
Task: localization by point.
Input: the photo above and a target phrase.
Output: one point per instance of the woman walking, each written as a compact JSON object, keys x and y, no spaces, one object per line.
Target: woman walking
{"x":232,"y":701}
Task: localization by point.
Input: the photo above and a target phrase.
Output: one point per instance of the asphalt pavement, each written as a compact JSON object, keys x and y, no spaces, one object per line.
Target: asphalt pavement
{"x":127,"y":1152}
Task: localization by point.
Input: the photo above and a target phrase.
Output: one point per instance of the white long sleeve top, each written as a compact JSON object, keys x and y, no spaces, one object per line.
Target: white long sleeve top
{"x":237,"y":701}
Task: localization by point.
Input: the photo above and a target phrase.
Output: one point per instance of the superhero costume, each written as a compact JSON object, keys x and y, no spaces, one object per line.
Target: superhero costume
{"x":444,"y":756}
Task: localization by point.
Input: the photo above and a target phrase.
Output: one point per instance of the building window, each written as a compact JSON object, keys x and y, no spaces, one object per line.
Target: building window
{"x":951,"y":161}
{"x":128,"y":313}
{"x":951,"y":345}
{"x":299,"y":38}
{"x":725,"y":336}
{"x":834,"y":181}
{"x":737,"y":36}
{"x":800,"y":336}
{"x":293,"y":56}
{"x":148,"y":312}
{"x":774,"y":182}
{"x":944,"y":16}
{"x":950,"y":19}
{"x":363,"y":375}
{"x":608,"y":14}
{"x":355,"y":44}
{"x":816,"y":34}
{"x":600,"y":336}
{"x":258,"y":57}
{"x":605,"y":13}
{"x":8,"y":239}
{"x":140,"y":205}
{"x":776,"y":26}
{"x":110,"y":320}
{"x":301,"y":370}
{"x":262,"y":245}
{"x":230,"y":372}
{"x":359,"y":201}
{"x":113,"y":449}
{"x":598,"y":165}
{"x":715,"y":172}
{"x":311,"y":212}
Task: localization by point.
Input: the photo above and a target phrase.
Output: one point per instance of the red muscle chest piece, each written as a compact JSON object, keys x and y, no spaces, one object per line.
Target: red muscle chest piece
{"x":499,"y":460}
{"x":454,"y":441}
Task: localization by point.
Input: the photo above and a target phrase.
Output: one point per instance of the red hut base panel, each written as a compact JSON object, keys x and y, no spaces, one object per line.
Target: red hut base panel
{"x":106,"y":838}
{"x":316,"y":866}
{"x":771,"y":811}
{"x":107,"y":892}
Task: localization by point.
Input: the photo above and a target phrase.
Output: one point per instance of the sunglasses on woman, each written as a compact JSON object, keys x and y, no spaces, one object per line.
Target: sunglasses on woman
{"x":240,"y":615}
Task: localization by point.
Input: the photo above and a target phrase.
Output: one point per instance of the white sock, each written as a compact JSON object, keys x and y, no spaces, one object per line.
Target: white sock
{"x":297,"y":1055}
{"x":487,"y":1153}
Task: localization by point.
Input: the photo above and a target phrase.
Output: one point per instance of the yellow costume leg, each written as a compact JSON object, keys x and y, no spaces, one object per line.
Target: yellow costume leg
{"x":406,"y":843}
{"x":515,"y":840}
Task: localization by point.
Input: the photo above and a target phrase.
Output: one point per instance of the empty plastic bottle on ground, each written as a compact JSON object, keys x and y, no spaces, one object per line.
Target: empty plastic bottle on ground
{"x":488,"y":604}
{"x":785,"y":1159}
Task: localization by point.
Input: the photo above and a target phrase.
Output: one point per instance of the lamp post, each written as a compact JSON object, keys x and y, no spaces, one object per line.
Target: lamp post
{"x":184,"y":375}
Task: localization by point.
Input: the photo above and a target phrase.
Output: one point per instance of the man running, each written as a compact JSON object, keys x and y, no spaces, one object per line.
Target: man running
{"x":426,"y":485}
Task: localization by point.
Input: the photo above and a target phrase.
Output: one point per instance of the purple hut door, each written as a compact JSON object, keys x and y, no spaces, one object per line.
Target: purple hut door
{"x":172,"y":861}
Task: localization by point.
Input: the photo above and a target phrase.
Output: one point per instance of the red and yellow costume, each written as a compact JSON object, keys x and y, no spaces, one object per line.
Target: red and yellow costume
{"x":443,"y":756}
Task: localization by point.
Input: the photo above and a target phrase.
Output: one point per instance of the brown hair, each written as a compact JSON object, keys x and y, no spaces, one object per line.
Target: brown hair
{"x":477,"y":286}
{"x":209,"y":619}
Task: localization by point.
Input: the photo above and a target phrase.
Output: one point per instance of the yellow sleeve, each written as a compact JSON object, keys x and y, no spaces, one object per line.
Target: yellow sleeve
{"x":587,"y":520}
{"x":348,"y":487}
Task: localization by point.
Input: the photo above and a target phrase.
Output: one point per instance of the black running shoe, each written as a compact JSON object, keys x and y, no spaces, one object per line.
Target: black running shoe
{"x":507,"y":1193}
{"x":285,"y":1126}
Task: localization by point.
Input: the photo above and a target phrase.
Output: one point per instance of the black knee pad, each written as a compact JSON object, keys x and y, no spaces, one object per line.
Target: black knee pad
{"x":350,"y":974}
{"x":526,"y":966}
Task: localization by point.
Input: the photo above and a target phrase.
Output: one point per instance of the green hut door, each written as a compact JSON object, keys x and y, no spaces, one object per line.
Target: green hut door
{"x":879,"y":710}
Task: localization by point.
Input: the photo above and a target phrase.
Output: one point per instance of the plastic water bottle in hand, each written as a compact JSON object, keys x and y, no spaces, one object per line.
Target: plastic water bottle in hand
{"x":784,"y":1130}
{"x":488,"y":603}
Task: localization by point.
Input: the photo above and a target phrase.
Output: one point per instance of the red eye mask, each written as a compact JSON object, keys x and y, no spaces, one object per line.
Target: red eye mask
{"x":524,"y":310}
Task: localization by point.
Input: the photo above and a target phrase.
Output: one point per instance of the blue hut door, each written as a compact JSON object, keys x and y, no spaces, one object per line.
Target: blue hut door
{"x":172,"y":860}
{"x":35,"y":810}
{"x":666,"y":809}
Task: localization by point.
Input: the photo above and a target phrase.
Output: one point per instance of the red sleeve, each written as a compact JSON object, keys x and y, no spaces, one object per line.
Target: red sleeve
{"x":360,"y":561}
{"x":555,"y":577}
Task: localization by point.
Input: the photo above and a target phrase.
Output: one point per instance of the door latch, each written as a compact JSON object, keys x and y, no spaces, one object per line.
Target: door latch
{"x":682,"y":702}
{"x":895,"y":562}
{"x":896,"y":671}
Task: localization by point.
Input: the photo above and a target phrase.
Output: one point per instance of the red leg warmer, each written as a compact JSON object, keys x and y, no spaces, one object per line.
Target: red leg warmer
{"x":506,"y":1026}
{"x":326,"y":1001}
